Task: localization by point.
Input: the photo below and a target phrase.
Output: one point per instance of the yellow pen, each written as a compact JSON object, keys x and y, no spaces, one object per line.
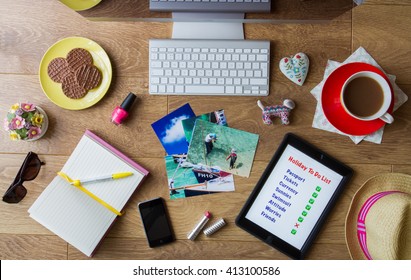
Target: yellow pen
{"x":113,"y":176}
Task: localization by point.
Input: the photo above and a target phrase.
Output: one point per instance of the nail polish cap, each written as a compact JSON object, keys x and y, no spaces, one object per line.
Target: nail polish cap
{"x":128,"y":102}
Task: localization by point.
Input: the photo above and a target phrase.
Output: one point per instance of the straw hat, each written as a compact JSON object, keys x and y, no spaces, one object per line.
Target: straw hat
{"x":378,"y":223}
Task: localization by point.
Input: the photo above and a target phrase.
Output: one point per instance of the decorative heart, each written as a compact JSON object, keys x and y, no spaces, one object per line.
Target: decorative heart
{"x":295,"y":67}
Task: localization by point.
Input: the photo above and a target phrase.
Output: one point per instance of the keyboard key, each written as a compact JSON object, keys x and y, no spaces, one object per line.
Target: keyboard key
{"x":154,"y":88}
{"x":262,"y":57}
{"x":229,"y":89}
{"x":156,"y":64}
{"x":204,"y":90}
{"x":179,"y":89}
{"x":157,"y":72}
{"x":155,"y":80}
{"x":258,"y":81}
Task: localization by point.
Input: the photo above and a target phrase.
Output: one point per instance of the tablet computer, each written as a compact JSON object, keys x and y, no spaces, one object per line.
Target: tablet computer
{"x":293,"y":197}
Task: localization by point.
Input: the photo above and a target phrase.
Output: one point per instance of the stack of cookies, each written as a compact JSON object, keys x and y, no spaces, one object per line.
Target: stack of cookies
{"x":76,"y":73}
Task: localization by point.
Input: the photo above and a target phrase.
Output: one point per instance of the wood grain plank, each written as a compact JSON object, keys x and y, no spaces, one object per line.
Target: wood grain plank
{"x":23,"y":43}
{"x":32,"y":247}
{"x":135,"y":136}
{"x":406,"y":169}
{"x":123,"y":249}
{"x":377,"y":28}
{"x":320,"y":42}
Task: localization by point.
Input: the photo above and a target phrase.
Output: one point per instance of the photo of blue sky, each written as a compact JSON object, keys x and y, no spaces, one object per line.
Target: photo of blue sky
{"x":170,"y":132}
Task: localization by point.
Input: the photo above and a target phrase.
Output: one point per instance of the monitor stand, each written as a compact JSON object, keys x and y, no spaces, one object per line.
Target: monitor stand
{"x":208,"y":26}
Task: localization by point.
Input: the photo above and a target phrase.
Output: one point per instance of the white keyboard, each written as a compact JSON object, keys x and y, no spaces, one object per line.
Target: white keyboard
{"x":209,"y":67}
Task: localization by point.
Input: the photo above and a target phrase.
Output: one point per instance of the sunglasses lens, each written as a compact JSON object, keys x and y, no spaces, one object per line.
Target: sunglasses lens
{"x":15,"y":194}
{"x":32,"y":168}
{"x":28,"y":171}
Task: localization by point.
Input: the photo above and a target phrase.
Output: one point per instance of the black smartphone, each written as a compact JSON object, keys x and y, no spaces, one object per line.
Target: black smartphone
{"x":156,"y":222}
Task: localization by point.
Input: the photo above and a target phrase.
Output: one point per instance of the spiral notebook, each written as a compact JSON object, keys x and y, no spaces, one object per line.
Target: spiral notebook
{"x":79,"y":218}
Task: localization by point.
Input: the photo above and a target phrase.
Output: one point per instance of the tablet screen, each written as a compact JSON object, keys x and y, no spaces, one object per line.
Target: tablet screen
{"x":293,"y":197}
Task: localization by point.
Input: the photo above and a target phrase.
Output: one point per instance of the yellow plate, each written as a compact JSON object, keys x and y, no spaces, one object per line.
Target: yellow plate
{"x":53,"y":90}
{"x":80,"y":5}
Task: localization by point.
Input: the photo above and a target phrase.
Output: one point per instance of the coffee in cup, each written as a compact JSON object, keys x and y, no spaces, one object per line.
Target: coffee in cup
{"x":367,"y":96}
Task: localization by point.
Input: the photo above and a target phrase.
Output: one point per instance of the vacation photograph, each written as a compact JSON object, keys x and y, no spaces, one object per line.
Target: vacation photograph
{"x":170,"y":132}
{"x":186,"y":179}
{"x":228,"y":149}
{"x":217,"y":117}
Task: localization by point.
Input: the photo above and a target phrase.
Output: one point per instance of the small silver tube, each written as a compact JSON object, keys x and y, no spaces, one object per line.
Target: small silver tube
{"x":199,"y":226}
{"x":214,"y":227}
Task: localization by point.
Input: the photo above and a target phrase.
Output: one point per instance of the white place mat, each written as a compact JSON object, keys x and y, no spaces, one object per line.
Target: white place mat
{"x":321,"y":122}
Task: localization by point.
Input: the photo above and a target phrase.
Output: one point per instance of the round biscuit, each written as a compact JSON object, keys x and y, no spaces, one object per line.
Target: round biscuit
{"x":78,"y":57}
{"x":72,"y":89}
{"x":88,"y":76}
{"x":58,"y":69}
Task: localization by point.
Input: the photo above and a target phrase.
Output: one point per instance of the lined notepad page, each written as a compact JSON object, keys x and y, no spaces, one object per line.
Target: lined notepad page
{"x":71,"y":213}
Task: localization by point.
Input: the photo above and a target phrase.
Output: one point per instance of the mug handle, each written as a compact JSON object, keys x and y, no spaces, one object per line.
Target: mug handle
{"x":387,"y":118}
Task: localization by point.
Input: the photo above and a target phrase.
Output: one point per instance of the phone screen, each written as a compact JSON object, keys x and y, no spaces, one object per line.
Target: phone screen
{"x":155,"y":221}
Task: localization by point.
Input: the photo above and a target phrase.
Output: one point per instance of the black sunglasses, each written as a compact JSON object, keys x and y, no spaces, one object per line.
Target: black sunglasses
{"x":28,"y":171}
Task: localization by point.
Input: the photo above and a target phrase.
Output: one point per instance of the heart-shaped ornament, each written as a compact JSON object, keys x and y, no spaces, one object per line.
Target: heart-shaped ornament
{"x":295,"y":67}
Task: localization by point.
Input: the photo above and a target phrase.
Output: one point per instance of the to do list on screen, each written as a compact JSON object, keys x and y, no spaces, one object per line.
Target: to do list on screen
{"x":294,"y":197}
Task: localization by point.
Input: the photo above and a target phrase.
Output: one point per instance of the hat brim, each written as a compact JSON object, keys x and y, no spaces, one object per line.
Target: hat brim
{"x":380,"y":183}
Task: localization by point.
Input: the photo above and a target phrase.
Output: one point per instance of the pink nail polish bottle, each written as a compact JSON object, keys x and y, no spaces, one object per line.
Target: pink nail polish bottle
{"x":120,"y":113}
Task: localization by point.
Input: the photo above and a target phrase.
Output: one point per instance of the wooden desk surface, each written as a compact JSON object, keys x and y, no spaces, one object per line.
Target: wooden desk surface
{"x":27,"y":30}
